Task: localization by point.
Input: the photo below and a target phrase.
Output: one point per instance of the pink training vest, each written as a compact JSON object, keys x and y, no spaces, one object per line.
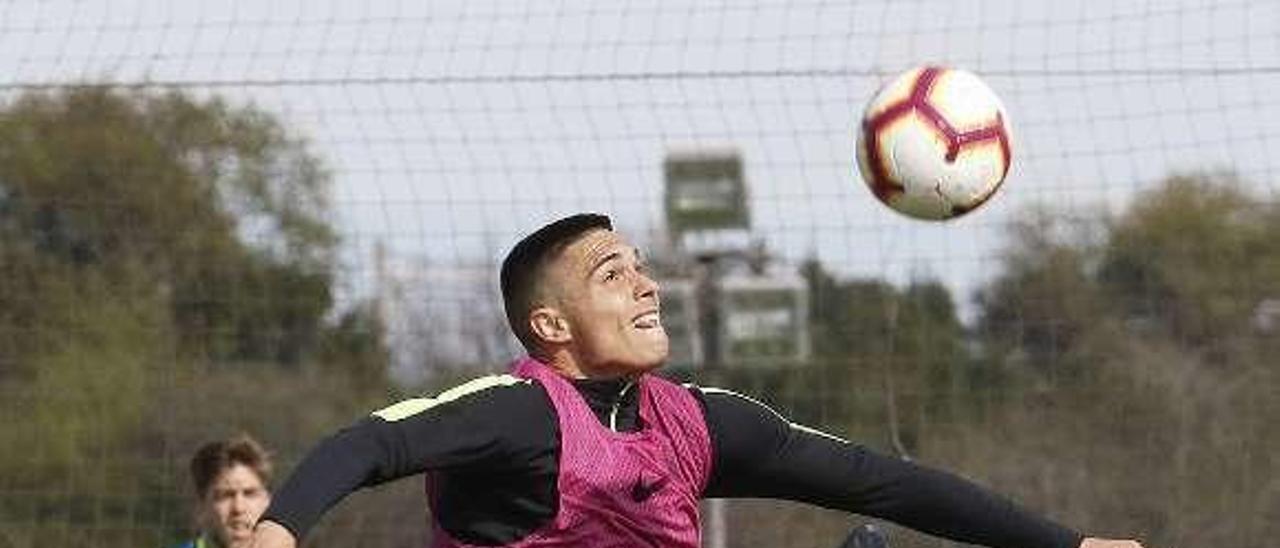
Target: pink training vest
{"x":620,"y":490}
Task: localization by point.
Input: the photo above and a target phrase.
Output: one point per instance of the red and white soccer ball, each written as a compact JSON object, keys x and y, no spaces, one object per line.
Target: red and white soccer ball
{"x":934,"y":143}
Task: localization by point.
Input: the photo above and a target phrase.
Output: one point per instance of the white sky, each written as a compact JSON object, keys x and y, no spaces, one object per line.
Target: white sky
{"x":454,"y":127}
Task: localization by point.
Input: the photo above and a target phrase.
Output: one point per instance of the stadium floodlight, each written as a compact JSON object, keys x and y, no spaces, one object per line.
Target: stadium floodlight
{"x":705,"y":190}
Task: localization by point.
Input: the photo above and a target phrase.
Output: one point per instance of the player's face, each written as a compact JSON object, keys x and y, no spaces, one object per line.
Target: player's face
{"x":611,"y":305}
{"x":233,"y":504}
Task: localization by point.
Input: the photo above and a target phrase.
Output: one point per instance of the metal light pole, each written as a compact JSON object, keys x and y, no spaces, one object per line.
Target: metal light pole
{"x":707,"y":284}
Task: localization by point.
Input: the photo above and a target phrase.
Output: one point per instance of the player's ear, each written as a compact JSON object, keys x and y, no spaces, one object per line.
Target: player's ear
{"x":548,"y":325}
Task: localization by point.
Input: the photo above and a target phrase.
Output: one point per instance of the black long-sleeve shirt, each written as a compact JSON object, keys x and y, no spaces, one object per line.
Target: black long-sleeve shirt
{"x":495,"y":442}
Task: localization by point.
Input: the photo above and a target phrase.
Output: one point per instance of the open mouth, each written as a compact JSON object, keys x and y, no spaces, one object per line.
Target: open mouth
{"x":647,"y":320}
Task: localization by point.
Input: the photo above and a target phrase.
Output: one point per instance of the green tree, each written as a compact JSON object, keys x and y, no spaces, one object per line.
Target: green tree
{"x":1045,"y":300}
{"x":1132,"y":356}
{"x":1195,"y":259}
{"x":214,"y":208}
{"x":166,"y":269}
{"x":902,"y":350}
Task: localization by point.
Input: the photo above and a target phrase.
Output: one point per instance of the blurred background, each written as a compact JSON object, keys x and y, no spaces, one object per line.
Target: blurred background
{"x":277,"y":217}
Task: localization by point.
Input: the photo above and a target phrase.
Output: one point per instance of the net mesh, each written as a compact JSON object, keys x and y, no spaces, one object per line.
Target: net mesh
{"x":277,"y":217}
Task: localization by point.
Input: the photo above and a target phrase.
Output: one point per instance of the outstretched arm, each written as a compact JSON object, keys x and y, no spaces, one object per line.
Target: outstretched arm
{"x":760,"y":454}
{"x":465,"y":425}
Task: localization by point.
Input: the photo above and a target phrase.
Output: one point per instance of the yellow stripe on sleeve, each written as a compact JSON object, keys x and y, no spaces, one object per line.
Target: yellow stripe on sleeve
{"x":411,"y":407}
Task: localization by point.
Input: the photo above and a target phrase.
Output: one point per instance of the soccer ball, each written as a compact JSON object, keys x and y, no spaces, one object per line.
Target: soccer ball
{"x":934,"y":143}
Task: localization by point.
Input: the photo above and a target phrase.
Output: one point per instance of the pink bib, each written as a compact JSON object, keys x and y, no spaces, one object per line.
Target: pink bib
{"x":629,"y":489}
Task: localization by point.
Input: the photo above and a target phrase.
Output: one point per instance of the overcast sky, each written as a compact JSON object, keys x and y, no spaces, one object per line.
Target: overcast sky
{"x":453,"y":127}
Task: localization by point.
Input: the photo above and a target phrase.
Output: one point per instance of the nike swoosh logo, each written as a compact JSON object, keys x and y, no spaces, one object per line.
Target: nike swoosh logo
{"x":641,"y":490}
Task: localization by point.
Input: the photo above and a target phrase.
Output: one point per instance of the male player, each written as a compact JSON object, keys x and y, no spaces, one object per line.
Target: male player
{"x":580,"y":445}
{"x":230,"y":478}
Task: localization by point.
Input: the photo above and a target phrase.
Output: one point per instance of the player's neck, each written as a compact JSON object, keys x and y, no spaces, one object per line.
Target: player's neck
{"x":567,"y":364}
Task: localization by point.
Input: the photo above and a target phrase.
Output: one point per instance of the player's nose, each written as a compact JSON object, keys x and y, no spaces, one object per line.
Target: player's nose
{"x":239,"y":503}
{"x":645,"y":286}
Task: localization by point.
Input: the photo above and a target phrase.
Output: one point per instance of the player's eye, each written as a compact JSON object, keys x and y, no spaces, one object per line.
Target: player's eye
{"x":611,"y":275}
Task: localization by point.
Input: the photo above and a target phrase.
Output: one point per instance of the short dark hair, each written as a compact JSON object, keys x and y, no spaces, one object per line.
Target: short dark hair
{"x":525,"y":265}
{"x":214,"y":458}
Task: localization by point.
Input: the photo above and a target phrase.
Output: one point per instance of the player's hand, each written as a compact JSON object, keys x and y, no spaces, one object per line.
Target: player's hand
{"x":269,"y":534}
{"x":1109,"y":543}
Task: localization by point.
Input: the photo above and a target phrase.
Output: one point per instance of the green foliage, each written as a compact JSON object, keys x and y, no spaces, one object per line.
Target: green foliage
{"x":166,"y":270}
{"x":1044,"y":301}
{"x":213,"y":208}
{"x":1140,"y":381}
{"x":1194,"y":258}
{"x":353,"y":348}
{"x":1117,"y":378}
{"x":907,"y":343}
{"x":67,"y":405}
